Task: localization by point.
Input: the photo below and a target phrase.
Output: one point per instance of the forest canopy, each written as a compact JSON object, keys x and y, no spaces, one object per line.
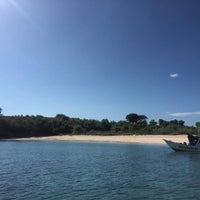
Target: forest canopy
{"x":35,"y":126}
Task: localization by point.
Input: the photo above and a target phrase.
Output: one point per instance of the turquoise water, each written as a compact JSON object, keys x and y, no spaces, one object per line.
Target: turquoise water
{"x":74,"y":170}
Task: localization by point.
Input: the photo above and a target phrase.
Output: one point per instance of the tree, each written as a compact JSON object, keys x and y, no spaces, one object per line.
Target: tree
{"x":77,"y":129}
{"x":197,"y":124}
{"x":174,"y":122}
{"x":143,"y":118}
{"x":181,"y":123}
{"x":106,"y":126}
{"x":1,"y":111}
{"x":135,"y":118}
{"x":62,"y":117}
{"x":153,"y":123}
{"x":132,"y":117}
{"x":163,"y":123}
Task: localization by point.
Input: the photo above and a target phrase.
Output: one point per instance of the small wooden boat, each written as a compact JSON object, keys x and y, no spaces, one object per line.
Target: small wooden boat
{"x":192,"y":146}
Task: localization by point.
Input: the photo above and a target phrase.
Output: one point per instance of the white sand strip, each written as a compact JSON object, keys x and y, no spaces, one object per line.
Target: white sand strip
{"x":142,"y":139}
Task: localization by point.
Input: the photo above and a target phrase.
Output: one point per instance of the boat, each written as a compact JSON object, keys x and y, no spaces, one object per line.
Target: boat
{"x":193,"y":144}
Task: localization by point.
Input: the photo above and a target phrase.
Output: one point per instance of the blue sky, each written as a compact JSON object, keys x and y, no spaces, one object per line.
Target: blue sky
{"x":100,"y":59}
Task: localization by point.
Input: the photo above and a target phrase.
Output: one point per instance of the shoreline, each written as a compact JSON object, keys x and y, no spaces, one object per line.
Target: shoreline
{"x":134,"y":139}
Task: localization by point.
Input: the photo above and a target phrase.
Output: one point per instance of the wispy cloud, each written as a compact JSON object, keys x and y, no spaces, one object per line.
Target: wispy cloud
{"x":174,"y":75}
{"x":184,"y":114}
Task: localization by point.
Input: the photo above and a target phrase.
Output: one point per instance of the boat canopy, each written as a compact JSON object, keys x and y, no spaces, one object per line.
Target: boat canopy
{"x":193,"y":139}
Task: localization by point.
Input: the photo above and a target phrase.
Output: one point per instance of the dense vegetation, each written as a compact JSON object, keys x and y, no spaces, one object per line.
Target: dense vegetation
{"x":29,"y":126}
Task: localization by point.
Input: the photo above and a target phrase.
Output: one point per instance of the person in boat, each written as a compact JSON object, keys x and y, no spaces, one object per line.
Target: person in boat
{"x":193,"y":139}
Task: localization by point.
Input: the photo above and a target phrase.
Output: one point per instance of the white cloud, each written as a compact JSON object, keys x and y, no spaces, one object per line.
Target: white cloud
{"x":173,"y":75}
{"x":184,"y":114}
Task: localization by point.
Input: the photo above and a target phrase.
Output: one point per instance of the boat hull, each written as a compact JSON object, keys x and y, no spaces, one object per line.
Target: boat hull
{"x":182,"y":147}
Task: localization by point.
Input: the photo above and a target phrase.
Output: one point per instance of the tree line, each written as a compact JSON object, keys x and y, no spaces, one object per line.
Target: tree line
{"x":35,"y":126}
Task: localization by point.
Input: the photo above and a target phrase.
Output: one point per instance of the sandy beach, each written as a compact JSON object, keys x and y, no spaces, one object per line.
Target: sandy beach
{"x":141,"y":139}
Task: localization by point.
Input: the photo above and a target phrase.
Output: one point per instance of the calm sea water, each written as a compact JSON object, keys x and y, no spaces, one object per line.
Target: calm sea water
{"x":74,"y":170}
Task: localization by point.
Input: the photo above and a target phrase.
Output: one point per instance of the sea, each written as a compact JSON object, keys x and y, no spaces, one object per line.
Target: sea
{"x":62,"y":170}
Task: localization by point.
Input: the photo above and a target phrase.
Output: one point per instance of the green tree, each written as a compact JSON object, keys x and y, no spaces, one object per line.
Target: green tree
{"x":78,"y":129}
{"x":135,"y":118}
{"x":62,"y":117}
{"x":197,"y":124}
{"x":142,"y":118}
{"x":174,"y":122}
{"x":153,"y":123}
{"x":106,"y":126}
{"x":181,"y":123}
{"x":163,"y":123}
{"x":1,"y":111}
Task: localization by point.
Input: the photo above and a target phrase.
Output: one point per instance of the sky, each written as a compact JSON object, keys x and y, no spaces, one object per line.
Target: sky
{"x":99,"y":59}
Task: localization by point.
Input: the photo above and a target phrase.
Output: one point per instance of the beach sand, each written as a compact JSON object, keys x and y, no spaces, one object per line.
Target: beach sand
{"x":140,"y":139}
